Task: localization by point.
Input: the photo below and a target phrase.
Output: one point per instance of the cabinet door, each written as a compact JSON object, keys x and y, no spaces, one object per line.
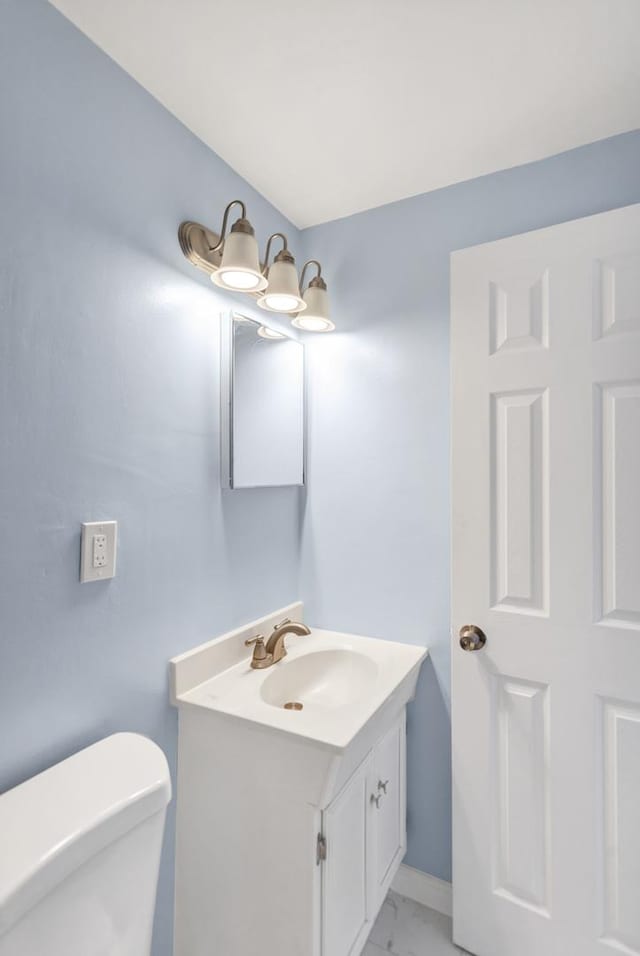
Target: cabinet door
{"x":345,"y":905}
{"x":387,"y":799}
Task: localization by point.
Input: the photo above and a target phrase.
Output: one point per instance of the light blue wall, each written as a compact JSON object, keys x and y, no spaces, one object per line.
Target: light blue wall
{"x":376,"y":527}
{"x":109,"y":408}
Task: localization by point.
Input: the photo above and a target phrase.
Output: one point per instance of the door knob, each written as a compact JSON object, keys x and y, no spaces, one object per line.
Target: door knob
{"x":472,"y":638}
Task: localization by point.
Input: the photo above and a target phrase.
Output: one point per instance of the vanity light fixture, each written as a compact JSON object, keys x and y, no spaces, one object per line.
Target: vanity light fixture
{"x":283,"y":291}
{"x":316,"y":316}
{"x":240,"y":264}
{"x":232,"y":261}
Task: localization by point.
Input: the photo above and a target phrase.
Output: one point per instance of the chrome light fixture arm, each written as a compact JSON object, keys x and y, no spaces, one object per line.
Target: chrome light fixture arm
{"x":311,"y":262}
{"x":285,"y":248}
{"x":225,"y":222}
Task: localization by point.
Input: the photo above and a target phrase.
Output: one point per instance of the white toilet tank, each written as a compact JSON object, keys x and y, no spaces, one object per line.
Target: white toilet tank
{"x":80,"y":850}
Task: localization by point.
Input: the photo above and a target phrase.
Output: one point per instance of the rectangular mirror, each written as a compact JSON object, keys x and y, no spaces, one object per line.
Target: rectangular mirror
{"x":263,"y":405}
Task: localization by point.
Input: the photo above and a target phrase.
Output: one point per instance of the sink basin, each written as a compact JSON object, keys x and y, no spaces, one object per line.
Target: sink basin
{"x":327,"y":689}
{"x":327,"y":679}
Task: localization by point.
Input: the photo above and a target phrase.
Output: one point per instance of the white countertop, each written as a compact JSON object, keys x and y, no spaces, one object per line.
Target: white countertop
{"x":237,"y":690}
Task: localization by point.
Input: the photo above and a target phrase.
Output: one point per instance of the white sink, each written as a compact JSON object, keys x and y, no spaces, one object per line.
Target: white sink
{"x":341,"y":681}
{"x":320,"y":679}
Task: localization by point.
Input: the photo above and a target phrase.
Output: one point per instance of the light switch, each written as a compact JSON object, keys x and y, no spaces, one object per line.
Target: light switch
{"x":98,"y":550}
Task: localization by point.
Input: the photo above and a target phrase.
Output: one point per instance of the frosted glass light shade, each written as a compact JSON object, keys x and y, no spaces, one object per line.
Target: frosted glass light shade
{"x":240,"y":267}
{"x":283,"y":291}
{"x":316,"y":316}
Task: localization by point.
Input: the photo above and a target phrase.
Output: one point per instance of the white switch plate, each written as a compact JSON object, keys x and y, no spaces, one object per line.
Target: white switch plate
{"x":98,"y":550}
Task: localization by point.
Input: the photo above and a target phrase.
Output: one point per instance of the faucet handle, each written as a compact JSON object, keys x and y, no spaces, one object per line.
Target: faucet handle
{"x":287,"y":620}
{"x":259,"y":651}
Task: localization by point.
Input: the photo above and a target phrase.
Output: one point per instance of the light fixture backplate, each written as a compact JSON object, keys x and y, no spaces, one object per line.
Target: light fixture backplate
{"x":196,"y":242}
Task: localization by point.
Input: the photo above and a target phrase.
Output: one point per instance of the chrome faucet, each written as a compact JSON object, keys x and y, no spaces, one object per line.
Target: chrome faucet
{"x":275,"y":650}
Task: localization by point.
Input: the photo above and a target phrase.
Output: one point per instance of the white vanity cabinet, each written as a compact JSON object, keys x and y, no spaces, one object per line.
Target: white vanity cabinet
{"x":283,"y":847}
{"x":290,"y":823}
{"x":365,"y":839}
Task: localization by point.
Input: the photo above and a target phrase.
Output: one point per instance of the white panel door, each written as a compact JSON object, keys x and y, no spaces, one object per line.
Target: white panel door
{"x":546,"y":563}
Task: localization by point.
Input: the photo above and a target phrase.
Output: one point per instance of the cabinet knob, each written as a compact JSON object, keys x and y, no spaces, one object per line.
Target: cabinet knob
{"x":376,"y":798}
{"x":382,"y":785}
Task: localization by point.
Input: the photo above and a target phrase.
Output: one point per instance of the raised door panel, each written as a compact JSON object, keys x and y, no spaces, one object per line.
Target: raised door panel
{"x":617,"y":443}
{"x":345,"y":907}
{"x":519,"y":513}
{"x":522,"y":851}
{"x":519,"y":312}
{"x":387,"y":801}
{"x":620,"y":770}
{"x":617,"y":295}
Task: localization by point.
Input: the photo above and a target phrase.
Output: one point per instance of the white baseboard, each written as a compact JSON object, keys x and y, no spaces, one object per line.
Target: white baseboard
{"x":423,"y":888}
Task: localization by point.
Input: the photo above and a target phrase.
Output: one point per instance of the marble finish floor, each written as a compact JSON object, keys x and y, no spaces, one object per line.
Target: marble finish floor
{"x":405,"y":928}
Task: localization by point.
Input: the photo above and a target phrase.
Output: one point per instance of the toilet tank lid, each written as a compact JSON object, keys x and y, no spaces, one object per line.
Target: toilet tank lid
{"x":54,"y":822}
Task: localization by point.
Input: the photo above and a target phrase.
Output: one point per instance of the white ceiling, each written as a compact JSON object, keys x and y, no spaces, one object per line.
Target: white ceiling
{"x":329,"y":107}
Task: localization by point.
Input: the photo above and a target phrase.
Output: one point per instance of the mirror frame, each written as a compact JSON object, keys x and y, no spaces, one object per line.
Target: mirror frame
{"x":227,"y":358}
